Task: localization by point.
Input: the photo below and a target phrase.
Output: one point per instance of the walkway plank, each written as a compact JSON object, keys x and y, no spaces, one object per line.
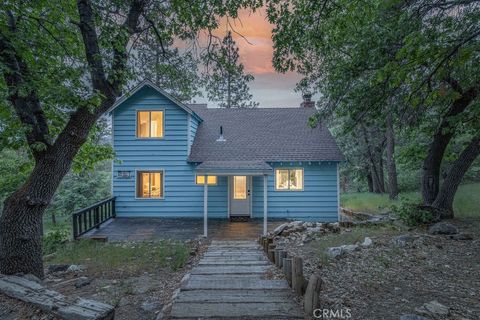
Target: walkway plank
{"x":234,"y":263}
{"x":233,"y":269}
{"x":230,"y":283}
{"x":258,"y":310}
{"x":234,"y":296}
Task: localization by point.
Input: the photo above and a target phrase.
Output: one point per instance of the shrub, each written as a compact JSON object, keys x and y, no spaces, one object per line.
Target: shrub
{"x":54,"y":239}
{"x":413,"y":214}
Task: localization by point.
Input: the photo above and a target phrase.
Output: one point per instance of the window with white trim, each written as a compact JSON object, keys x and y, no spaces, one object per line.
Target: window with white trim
{"x":150,"y":184}
{"x":211,"y":180}
{"x":150,"y":124}
{"x":288,"y":179}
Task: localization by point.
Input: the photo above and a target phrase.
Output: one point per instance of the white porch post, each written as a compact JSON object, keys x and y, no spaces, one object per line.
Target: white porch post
{"x":265,"y":196}
{"x":205,"y":208}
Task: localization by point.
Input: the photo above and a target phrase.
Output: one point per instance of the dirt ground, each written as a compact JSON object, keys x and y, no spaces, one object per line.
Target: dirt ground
{"x":135,"y":296}
{"x":386,"y":281}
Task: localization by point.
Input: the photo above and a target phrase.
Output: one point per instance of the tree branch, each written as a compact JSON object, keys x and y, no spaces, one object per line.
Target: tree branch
{"x":26,"y":105}
{"x":120,"y":57}
{"x":92,"y":49}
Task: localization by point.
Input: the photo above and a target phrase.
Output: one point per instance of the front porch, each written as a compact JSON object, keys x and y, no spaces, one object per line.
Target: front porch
{"x":140,"y":229}
{"x":240,"y":191}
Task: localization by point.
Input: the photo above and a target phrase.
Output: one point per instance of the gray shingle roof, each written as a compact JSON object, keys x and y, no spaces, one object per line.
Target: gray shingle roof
{"x":261,"y":134}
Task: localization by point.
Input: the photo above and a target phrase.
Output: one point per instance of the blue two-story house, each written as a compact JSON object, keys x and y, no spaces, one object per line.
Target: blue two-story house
{"x":177,"y":160}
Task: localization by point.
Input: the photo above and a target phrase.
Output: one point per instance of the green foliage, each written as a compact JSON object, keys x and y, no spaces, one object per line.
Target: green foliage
{"x":174,"y":71}
{"x":15,"y":167}
{"x":129,"y":256}
{"x":373,"y":203}
{"x":79,"y":190}
{"x":55,"y":239}
{"x":369,"y":59}
{"x":226,"y":80}
{"x":465,"y":205}
{"x":412,"y":213}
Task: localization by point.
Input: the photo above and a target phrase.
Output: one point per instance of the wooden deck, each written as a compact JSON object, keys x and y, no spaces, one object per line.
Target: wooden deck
{"x":138,"y":229}
{"x":230,"y":282}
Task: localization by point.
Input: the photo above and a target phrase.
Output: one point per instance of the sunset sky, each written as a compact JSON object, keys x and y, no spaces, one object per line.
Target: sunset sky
{"x":270,"y":89}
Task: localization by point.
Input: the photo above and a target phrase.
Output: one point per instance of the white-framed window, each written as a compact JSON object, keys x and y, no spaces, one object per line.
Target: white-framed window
{"x":150,"y":184}
{"x":289,"y":179}
{"x":150,"y":124}
{"x":211,"y":180}
{"x":240,"y":187}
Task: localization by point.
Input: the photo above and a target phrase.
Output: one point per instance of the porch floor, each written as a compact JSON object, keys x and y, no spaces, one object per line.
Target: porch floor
{"x":137,"y":229}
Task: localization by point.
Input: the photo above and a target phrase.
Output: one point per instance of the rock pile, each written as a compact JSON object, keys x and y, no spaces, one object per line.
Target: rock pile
{"x":303,"y":231}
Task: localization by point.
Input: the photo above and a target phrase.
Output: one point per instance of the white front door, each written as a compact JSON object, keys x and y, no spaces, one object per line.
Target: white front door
{"x":240,"y":192}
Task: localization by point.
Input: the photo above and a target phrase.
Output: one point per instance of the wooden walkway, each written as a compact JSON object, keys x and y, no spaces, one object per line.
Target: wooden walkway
{"x":229,"y":283}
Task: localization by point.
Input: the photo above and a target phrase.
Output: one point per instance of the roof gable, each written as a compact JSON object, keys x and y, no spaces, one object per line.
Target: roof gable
{"x":147,"y":83}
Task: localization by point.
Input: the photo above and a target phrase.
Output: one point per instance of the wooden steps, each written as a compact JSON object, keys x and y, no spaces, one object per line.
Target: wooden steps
{"x":230,"y":283}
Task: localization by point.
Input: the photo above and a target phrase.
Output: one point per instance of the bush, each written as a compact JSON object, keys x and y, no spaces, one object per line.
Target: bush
{"x":54,"y":239}
{"x":413,"y":214}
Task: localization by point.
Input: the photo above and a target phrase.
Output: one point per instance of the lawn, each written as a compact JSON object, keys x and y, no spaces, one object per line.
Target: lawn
{"x":355,"y":235}
{"x":466,"y":204}
{"x":130,"y":256}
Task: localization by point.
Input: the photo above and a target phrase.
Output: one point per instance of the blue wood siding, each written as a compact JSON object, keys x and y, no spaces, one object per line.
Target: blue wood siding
{"x":318,"y":201}
{"x":182,"y":197}
{"x":192,"y":130}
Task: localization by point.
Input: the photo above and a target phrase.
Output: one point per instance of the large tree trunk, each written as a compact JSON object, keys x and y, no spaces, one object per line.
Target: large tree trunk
{"x":369,"y":181}
{"x":442,"y":137}
{"x":381,"y":175}
{"x":444,"y":200}
{"x":391,"y":166}
{"x":375,"y":181}
{"x":375,"y":163}
{"x":21,"y":219}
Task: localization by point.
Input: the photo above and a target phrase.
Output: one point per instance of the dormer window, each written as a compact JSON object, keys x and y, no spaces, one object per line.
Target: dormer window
{"x":150,"y":124}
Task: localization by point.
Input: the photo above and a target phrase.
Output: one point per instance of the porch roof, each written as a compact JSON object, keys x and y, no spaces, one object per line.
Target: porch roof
{"x":227,"y":168}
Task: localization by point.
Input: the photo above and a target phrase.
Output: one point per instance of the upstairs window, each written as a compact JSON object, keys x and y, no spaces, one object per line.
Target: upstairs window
{"x":150,"y":184}
{"x":289,"y":179}
{"x":150,"y":124}
{"x":211,"y":180}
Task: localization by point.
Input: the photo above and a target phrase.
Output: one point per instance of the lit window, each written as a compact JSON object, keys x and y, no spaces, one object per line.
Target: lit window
{"x":289,"y":179}
{"x":211,"y":180}
{"x":150,"y":124}
{"x":239,"y":187}
{"x":150,"y":184}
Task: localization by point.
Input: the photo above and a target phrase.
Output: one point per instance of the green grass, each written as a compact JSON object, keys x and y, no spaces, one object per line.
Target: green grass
{"x":129,"y":256}
{"x":356,"y":235}
{"x":466,"y":204}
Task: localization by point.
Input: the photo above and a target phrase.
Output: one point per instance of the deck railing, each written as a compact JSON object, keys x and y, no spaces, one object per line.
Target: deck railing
{"x":92,"y":217}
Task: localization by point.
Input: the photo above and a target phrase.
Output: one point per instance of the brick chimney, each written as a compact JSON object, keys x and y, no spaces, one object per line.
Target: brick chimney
{"x":307,"y":101}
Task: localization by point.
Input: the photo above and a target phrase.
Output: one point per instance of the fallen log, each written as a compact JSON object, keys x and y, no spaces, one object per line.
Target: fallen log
{"x":67,"y":308}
